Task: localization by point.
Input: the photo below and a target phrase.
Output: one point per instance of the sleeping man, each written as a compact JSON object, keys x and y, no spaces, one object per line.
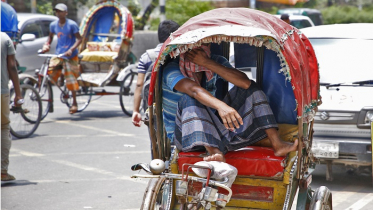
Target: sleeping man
{"x":196,"y":120}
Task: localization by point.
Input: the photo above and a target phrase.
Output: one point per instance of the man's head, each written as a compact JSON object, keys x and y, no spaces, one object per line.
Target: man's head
{"x":60,"y":10}
{"x":165,"y":28}
{"x":285,"y":17}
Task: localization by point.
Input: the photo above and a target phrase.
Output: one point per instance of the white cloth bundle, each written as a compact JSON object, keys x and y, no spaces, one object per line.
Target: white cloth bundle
{"x":221,"y":170}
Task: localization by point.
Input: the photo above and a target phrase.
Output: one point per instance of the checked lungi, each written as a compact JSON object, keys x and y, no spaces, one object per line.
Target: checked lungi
{"x":71,"y":68}
{"x":198,"y":126}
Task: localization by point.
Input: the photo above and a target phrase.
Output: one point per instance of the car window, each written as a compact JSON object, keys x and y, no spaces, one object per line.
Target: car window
{"x":32,"y":28}
{"x":45,"y":26}
{"x":300,"y":23}
{"x":344,"y":60}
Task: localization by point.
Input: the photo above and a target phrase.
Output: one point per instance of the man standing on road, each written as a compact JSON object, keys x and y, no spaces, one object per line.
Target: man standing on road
{"x":69,"y":39}
{"x":8,"y":71}
{"x":165,"y":28}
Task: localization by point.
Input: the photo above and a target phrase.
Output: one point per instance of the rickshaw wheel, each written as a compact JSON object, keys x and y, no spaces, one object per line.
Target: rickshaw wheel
{"x":126,"y":93}
{"x":321,"y":199}
{"x":158,"y":195}
{"x":25,"y":121}
{"x":46,"y":95}
{"x":83,"y":97}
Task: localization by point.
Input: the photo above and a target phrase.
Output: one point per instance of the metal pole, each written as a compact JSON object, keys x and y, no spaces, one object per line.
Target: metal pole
{"x":252,"y":4}
{"x":33,"y":6}
{"x":162,"y":6}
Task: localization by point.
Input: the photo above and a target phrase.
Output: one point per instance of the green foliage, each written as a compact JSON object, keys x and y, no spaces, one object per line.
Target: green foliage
{"x":134,"y":7}
{"x":270,"y":10}
{"x":181,"y":10}
{"x":347,"y":14}
{"x":45,"y":8}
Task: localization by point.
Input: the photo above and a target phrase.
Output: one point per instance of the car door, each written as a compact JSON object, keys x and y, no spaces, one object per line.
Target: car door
{"x":27,"y":50}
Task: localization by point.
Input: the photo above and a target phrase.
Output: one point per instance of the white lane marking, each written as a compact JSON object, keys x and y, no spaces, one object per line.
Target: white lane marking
{"x":22,"y":153}
{"x":341,"y":196}
{"x":362,"y":202}
{"x":107,"y":104}
{"x":87,"y":168}
{"x":80,"y":136}
{"x":93,"y":128}
{"x":25,"y":153}
{"x":82,"y":167}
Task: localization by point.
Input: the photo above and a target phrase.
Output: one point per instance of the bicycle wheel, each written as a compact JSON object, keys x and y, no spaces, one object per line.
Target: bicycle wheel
{"x":158,"y":194}
{"x":83,"y":97}
{"x":126,"y":93}
{"x":26,"y":119}
{"x":46,"y":95}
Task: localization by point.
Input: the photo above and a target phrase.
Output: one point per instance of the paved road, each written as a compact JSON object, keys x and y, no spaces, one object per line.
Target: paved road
{"x":82,"y":161}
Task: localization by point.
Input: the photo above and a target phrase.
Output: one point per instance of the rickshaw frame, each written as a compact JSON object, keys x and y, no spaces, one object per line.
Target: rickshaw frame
{"x":102,"y":66}
{"x":300,"y":68}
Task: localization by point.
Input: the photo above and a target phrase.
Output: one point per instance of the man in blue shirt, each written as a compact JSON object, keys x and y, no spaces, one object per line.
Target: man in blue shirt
{"x":195,"y":119}
{"x":69,"y":39}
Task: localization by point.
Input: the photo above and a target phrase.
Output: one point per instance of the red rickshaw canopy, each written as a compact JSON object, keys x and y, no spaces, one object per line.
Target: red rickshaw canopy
{"x":297,"y":54}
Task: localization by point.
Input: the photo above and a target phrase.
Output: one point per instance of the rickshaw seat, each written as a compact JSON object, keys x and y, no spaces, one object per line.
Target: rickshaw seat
{"x":98,"y":56}
{"x":249,"y":161}
{"x":256,"y":160}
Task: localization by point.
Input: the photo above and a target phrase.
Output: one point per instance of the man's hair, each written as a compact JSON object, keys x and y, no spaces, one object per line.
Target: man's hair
{"x":284,"y":17}
{"x":165,"y":28}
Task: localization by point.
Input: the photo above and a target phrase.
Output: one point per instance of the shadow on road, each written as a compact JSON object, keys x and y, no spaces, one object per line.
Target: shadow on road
{"x":16,"y":183}
{"x":343,"y":178}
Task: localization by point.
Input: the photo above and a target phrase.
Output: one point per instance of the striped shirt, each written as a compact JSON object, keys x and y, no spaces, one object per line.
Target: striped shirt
{"x":145,"y":60}
{"x":171,"y":76}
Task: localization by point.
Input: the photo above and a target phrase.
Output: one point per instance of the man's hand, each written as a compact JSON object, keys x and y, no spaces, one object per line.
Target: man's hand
{"x":136,"y":119}
{"x":46,"y":48}
{"x":230,"y":117}
{"x":197,"y":56}
{"x":68,"y":53}
{"x":16,"y":99}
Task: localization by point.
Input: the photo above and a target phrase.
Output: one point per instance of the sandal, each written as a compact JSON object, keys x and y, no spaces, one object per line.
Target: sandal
{"x":73,"y":109}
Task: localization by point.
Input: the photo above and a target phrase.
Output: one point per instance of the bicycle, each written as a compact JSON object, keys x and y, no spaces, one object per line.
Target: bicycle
{"x":25,"y":119}
{"x":128,"y":81}
{"x":44,"y":87}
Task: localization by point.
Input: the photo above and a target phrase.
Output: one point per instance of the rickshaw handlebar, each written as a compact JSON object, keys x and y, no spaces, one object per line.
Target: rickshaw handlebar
{"x":41,"y":54}
{"x":192,"y":178}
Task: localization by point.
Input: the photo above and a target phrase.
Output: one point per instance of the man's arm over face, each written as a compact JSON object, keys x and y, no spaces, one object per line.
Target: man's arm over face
{"x":231,"y":119}
{"x":231,"y":75}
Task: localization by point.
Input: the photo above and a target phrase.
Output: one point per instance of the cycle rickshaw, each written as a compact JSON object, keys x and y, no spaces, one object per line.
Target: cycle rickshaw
{"x":282,"y":61}
{"x":24,"y":120}
{"x":105,"y":52}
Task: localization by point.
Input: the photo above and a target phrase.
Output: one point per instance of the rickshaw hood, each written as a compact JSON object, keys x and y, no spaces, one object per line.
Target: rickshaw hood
{"x":298,"y":60}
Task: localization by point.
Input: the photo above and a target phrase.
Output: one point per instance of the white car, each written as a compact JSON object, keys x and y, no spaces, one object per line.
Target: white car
{"x":344,"y":119}
{"x":299,"y":21}
{"x":34,"y":31}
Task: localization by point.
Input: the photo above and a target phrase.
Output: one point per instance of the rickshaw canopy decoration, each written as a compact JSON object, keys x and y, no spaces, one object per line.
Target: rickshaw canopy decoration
{"x":298,"y":62}
{"x":102,"y":15}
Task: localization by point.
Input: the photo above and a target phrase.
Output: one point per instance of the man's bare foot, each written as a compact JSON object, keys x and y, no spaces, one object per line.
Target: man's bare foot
{"x":215,"y":157}
{"x":282,"y":148}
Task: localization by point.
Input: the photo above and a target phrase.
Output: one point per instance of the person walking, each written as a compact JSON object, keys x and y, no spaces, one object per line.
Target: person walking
{"x":8,"y":71}
{"x":69,"y":39}
{"x":165,"y":28}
